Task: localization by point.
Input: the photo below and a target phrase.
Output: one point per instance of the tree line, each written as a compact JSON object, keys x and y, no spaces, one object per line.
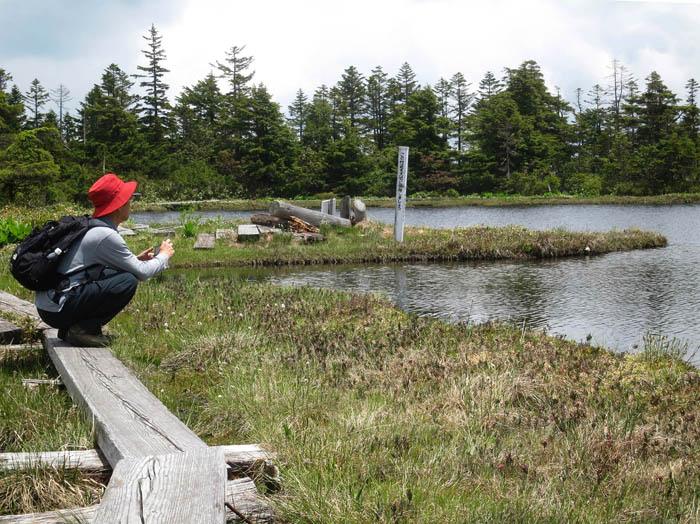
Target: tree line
{"x":224,"y":136}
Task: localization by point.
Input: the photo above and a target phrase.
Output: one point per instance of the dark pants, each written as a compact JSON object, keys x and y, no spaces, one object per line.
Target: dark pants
{"x":93,"y":304}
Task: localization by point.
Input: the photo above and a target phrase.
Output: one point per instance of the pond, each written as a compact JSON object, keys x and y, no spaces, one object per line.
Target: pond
{"x":613,"y":300}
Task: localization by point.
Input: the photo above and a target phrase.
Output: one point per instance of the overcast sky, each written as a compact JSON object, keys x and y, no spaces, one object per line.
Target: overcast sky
{"x":303,"y":44}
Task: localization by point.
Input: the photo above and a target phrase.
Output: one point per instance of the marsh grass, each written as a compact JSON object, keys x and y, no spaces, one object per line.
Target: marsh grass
{"x":381,"y":416}
{"x":658,"y":347}
{"x":40,"y":419}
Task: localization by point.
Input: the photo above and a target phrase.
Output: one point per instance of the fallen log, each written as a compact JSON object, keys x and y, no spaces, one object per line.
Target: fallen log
{"x":315,"y":218}
{"x":262,"y":219}
{"x":241,"y":458}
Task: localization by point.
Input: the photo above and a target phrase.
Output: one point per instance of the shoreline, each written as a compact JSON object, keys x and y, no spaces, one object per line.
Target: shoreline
{"x":487,"y":201}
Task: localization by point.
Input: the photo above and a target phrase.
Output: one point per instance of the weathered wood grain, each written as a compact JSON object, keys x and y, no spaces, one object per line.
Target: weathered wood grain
{"x":241,"y":493}
{"x":360,"y":210}
{"x":177,"y":488}
{"x":9,"y":333}
{"x":33,"y":383}
{"x":11,"y":303}
{"x":131,"y":422}
{"x":205,"y":241}
{"x":242,"y":457}
{"x":248,"y":232}
{"x":345,"y":205}
{"x":315,"y":218}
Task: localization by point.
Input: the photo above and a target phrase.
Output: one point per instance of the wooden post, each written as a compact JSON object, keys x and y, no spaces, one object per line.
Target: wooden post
{"x":325,"y":206}
{"x":331,"y":209}
{"x":345,"y":207}
{"x":401,"y":178}
{"x":360,"y":210}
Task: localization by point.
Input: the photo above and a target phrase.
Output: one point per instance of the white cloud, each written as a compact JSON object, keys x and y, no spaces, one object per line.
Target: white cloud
{"x":306,"y":44}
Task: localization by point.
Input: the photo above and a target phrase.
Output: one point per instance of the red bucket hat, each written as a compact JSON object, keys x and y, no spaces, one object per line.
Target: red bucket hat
{"x":110,"y":193}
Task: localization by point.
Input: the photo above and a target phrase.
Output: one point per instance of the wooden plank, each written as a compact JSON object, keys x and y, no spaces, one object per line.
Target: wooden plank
{"x":315,"y":218}
{"x":9,"y":333}
{"x":241,"y":457}
{"x":205,"y":241}
{"x":248,"y":232}
{"x":33,"y":383}
{"x":11,"y":303}
{"x":241,"y":493}
{"x":178,"y":488}
{"x":345,"y":207}
{"x":131,"y":422}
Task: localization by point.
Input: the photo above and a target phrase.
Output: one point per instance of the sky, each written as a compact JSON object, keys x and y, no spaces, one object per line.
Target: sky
{"x":304,"y":44}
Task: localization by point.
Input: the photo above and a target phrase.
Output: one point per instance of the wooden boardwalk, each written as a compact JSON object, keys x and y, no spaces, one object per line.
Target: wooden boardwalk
{"x":162,"y":472}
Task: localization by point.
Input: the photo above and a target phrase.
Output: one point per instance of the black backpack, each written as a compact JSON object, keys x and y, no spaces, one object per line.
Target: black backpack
{"x":34,"y":263}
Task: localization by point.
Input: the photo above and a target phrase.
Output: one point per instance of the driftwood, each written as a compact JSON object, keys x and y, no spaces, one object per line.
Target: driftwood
{"x":315,"y":218}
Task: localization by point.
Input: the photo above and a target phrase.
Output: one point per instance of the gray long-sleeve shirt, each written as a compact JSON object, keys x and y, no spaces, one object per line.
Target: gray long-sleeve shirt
{"x":100,"y":245}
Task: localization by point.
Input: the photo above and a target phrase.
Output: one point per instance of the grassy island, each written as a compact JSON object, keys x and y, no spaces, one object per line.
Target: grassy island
{"x":380,"y":416}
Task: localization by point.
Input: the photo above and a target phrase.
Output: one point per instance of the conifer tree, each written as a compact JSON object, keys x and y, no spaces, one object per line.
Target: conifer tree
{"x":351,"y":93}
{"x":156,"y":105}
{"x":233,"y":70}
{"x":35,"y":99}
{"x":406,"y":81}
{"x":443,"y":92}
{"x":297,"y":114}
{"x":378,"y":106}
{"x":461,"y":101}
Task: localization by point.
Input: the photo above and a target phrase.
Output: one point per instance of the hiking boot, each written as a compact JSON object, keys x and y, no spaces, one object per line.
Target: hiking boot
{"x":78,"y":337}
{"x":62,"y":334}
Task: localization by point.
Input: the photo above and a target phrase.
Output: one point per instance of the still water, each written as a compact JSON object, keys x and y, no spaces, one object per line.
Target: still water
{"x":615,"y":299}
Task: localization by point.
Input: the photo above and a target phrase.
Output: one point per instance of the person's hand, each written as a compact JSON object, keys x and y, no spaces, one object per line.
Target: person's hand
{"x":146,"y":255}
{"x":167,"y":248}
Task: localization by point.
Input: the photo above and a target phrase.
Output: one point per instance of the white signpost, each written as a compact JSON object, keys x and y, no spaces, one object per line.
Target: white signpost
{"x":400,"y":210}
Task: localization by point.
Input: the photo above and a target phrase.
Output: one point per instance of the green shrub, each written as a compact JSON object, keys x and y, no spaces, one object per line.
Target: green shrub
{"x":190,"y":222}
{"x":12,"y":231}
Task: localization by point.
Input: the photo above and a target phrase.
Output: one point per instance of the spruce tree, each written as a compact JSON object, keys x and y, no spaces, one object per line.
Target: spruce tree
{"x":378,"y":106}
{"x":155,"y":109}
{"x":297,"y":114}
{"x":461,"y":101}
{"x":351,"y":93}
{"x":35,"y":99}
